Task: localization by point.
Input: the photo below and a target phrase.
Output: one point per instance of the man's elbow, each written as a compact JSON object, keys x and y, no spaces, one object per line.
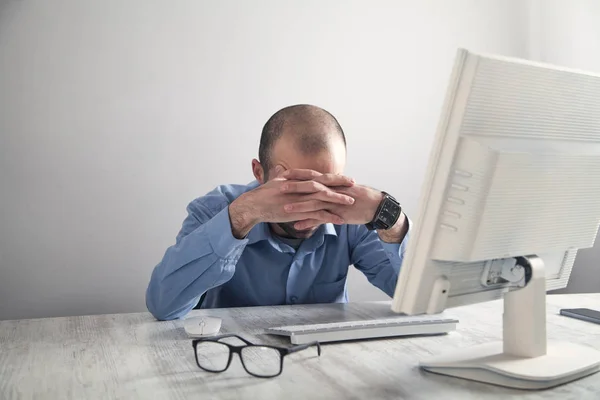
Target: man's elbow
{"x":158,"y":308}
{"x":163,"y":310}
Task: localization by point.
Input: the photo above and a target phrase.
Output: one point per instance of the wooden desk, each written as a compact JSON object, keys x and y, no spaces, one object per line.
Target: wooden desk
{"x":132,"y":356}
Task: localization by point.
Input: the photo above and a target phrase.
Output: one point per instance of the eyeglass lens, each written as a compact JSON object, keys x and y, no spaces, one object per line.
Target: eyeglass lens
{"x":212,"y":356}
{"x":261,"y":361}
{"x":257,"y":360}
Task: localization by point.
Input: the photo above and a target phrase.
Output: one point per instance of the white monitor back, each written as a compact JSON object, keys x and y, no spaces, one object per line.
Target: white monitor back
{"x":514,"y":171}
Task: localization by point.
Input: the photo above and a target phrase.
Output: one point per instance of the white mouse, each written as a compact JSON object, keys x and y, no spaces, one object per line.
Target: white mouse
{"x":202,"y":326}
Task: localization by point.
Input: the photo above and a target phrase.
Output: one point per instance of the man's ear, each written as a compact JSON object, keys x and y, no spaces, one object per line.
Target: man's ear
{"x":258,"y":171}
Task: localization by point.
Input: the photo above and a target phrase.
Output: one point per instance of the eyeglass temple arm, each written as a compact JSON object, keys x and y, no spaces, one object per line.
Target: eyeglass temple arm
{"x":305,"y":346}
{"x":224,"y":336}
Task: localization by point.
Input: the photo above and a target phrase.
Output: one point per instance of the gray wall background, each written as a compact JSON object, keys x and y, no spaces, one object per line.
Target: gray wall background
{"x":114,"y":115}
{"x":568,"y":33}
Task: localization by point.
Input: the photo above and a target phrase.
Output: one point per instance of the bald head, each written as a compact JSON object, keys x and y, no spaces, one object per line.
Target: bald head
{"x":311,"y":129}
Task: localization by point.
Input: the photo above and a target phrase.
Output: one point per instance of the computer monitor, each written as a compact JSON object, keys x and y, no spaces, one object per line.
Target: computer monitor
{"x":511,"y":192}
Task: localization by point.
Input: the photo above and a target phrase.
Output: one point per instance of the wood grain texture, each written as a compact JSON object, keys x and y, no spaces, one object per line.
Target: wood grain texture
{"x":130,"y":356}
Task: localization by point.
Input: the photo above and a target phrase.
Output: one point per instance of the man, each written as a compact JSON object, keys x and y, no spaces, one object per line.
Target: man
{"x":287,"y":238}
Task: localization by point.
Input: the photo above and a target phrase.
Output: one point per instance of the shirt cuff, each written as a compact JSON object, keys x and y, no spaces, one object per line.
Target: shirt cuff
{"x":222,"y":241}
{"x":404,"y":243}
{"x":392,"y":248}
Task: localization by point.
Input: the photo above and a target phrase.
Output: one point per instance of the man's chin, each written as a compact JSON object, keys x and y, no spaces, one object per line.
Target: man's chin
{"x":305,"y":234}
{"x":292,"y":232}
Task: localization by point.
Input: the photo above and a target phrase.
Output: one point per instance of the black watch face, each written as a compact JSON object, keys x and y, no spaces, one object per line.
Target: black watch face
{"x":388,"y":213}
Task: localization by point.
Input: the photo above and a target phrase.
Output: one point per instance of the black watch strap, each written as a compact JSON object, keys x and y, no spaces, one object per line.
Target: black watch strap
{"x":387,"y":213}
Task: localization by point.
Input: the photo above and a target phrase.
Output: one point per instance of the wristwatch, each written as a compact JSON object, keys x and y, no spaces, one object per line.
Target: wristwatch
{"x":387,"y":213}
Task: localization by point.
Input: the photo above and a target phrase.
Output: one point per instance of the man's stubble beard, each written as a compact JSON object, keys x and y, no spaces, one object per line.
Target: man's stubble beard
{"x":288,"y":228}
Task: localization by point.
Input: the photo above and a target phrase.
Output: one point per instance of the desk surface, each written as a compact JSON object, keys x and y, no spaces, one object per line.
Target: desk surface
{"x":133,"y":356}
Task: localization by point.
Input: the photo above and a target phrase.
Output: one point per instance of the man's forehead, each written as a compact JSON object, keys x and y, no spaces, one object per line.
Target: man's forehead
{"x":330,"y":159}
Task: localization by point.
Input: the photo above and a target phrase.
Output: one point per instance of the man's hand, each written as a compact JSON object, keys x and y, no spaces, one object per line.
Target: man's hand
{"x":278,"y":200}
{"x":363,"y":210}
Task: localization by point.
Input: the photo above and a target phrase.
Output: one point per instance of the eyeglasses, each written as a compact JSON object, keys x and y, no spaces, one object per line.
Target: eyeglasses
{"x":213,"y":354}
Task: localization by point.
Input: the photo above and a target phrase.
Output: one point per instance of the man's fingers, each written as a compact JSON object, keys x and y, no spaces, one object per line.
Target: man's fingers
{"x":318,"y":217}
{"x":311,"y":175}
{"x":302,"y":187}
{"x":301,"y":174}
{"x":323,"y":217}
{"x":307,"y":224}
{"x":335,"y":180}
{"x":317,"y":191}
{"x":331,"y":196}
{"x":278,"y":172}
{"x":306,"y":206}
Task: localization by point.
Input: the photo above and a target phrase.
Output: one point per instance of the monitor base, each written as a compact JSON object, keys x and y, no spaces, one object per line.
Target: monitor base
{"x":487,"y":363}
{"x":524,"y":359}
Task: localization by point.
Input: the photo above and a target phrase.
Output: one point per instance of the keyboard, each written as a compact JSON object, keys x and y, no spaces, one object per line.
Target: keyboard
{"x":367,"y":329}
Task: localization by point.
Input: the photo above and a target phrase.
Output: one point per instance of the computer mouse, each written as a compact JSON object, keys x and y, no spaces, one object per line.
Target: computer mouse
{"x":202,"y":326}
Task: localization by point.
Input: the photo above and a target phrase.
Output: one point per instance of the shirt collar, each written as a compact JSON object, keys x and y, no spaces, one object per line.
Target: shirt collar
{"x":259,"y":232}
{"x":329,"y":229}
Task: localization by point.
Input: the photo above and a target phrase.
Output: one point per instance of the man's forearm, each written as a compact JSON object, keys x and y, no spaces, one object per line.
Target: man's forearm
{"x":241,"y":217}
{"x":396,"y":233}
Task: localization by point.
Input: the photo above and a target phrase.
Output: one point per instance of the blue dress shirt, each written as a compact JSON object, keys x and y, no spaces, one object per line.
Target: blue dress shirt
{"x":261,"y":269}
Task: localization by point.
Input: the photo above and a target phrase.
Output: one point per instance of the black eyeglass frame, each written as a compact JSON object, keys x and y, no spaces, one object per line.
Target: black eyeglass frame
{"x":283,"y":351}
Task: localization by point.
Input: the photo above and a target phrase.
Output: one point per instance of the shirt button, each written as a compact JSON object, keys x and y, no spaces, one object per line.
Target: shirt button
{"x":293,"y":299}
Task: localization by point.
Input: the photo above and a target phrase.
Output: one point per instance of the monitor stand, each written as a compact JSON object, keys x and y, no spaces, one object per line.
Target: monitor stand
{"x":524,"y":360}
